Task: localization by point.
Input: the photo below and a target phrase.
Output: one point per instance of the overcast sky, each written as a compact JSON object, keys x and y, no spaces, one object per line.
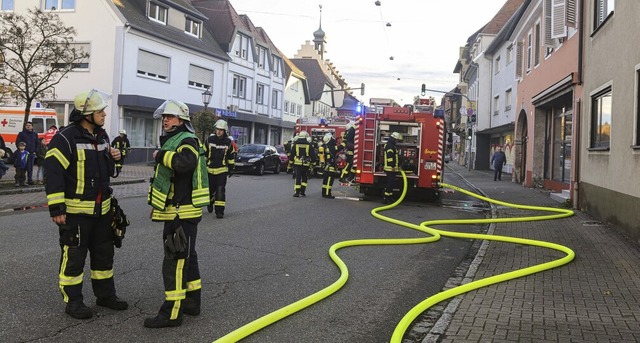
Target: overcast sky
{"x":424,"y":38}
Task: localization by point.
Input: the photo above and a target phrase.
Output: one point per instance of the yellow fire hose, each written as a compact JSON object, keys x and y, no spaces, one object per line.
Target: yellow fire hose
{"x":425,"y":227}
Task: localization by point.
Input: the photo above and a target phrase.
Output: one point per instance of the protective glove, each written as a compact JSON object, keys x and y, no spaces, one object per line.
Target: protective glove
{"x":69,"y":236}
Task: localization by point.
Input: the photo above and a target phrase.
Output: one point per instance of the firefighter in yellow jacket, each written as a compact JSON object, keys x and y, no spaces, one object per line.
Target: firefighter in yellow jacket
{"x":79,"y":164}
{"x":179,"y":189}
{"x":220,"y":161}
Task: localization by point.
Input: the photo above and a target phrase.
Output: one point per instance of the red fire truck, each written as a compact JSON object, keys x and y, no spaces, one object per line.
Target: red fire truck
{"x":422,"y":149}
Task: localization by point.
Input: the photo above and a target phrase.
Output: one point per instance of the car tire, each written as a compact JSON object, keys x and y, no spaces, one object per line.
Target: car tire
{"x":260,"y":170}
{"x":277,"y":169}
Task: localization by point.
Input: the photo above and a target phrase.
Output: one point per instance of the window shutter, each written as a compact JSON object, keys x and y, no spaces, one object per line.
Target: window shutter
{"x":152,"y":63}
{"x":571,"y":13}
{"x":519,"y":47}
{"x":558,"y":16}
{"x":548,"y":41}
{"x":200,"y":76}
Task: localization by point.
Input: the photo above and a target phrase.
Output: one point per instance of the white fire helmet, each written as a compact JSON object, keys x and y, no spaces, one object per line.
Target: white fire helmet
{"x":123,"y":132}
{"x":176,"y":108}
{"x":397,"y":136}
{"x":222,"y":125}
{"x":327,"y":137}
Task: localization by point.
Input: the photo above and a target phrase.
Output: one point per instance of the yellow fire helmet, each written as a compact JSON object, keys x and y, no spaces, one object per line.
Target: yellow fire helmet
{"x":91,"y":101}
{"x":397,"y":136}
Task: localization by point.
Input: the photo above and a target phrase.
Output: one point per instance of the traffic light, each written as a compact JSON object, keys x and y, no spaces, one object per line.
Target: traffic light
{"x":469,"y":133}
{"x":362,"y":89}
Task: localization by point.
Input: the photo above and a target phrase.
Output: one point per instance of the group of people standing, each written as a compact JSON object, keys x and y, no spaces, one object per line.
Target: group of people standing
{"x":80,"y":163}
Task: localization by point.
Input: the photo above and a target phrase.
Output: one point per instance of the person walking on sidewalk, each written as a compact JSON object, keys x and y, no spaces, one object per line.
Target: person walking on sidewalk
{"x":179,"y":189}
{"x":79,"y":165}
{"x":498,"y":160}
{"x":391,"y":165}
{"x":30,"y":138}
{"x":220,"y":161}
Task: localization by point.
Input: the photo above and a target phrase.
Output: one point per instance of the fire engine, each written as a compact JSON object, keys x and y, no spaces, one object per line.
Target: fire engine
{"x":421,"y":151}
{"x":12,"y":122}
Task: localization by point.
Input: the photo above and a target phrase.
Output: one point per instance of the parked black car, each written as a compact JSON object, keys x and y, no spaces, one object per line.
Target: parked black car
{"x":256,"y":158}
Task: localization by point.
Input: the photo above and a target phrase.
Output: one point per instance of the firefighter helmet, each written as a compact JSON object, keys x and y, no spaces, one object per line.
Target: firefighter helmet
{"x":123,"y":132}
{"x":91,"y":101}
{"x":303,"y":134}
{"x":397,"y":136}
{"x":327,"y":137}
{"x":175,"y":108}
{"x":222,"y":125}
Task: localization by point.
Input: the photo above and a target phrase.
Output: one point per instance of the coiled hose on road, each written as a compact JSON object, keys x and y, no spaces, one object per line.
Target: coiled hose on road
{"x":425,"y":227}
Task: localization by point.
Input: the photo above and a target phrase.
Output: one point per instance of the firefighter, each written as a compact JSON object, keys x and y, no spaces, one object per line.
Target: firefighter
{"x":79,"y":164}
{"x":347,"y":144}
{"x":391,"y":165}
{"x":121,"y":143}
{"x":289,"y":156}
{"x":179,"y":189}
{"x":220,"y":162}
{"x":330,"y":169}
{"x":301,"y":155}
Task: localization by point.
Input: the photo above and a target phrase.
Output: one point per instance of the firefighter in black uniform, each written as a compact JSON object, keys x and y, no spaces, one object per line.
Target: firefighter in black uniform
{"x":391,"y":165}
{"x":79,"y":164}
{"x":287,"y":150}
{"x":178,"y":191}
{"x":330,"y":169}
{"x":301,"y":156}
{"x":220,"y":161}
{"x":121,"y":143}
{"x":347,"y":144}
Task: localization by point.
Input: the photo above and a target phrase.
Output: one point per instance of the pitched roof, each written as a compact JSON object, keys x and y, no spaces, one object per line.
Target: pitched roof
{"x":507,"y":29}
{"x":135,"y":14}
{"x":500,"y":19}
{"x":316,"y":77}
{"x":223,"y":21}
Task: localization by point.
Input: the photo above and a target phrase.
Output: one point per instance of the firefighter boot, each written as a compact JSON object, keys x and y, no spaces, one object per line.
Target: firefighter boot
{"x":302,"y":189}
{"x":296,"y":194}
{"x":159,"y":321}
{"x":113,"y":303}
{"x":78,"y":310}
{"x":190,"y":307}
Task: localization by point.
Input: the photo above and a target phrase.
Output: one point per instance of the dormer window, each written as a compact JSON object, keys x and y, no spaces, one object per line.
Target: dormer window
{"x":192,"y":27}
{"x":158,"y":13}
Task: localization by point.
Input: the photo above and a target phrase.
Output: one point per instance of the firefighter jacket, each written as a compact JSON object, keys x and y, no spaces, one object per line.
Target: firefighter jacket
{"x":349,"y":138}
{"x":330,"y":152}
{"x":301,"y":152}
{"x":391,"y":158}
{"x":180,"y":184}
{"x":79,"y":167}
{"x":122,"y":144}
{"x":220,"y":155}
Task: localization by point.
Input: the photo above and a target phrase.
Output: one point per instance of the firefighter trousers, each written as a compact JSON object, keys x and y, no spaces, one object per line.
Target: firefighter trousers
{"x":217,"y":190}
{"x":301,"y":172}
{"x":348,"y":172}
{"x":80,"y":235}
{"x":181,"y":276}
{"x":327,"y":180}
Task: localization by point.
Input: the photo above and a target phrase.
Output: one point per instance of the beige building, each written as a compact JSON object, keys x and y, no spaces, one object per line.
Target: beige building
{"x":609,"y":155}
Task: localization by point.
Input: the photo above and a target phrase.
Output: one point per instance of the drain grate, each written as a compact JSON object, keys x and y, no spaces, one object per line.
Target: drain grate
{"x":591,"y":223}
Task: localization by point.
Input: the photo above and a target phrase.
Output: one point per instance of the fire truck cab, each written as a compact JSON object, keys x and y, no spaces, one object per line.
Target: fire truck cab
{"x":421,"y":149}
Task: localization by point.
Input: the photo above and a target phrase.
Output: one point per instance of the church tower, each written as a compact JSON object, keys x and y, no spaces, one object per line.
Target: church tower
{"x":319,"y":38}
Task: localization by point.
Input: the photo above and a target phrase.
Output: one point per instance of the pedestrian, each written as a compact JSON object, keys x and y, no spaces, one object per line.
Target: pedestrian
{"x":121,"y":143}
{"x":30,"y":138}
{"x":178,"y":191}
{"x":301,"y":155}
{"x":220,"y":161}
{"x":391,"y":165}
{"x":330,"y":168}
{"x":79,"y":164}
{"x":347,"y":144}
{"x":20,"y":159}
{"x":498,"y":160}
{"x":3,"y":166}
{"x":41,"y":174}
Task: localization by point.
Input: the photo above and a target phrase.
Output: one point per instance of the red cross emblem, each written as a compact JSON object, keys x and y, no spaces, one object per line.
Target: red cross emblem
{"x":4,"y":122}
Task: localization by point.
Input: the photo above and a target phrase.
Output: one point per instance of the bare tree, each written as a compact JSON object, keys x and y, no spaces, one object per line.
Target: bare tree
{"x":37,"y":51}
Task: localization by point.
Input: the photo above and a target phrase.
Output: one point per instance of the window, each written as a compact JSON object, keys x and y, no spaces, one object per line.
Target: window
{"x":262,"y":57}
{"x":602,"y":11}
{"x":192,"y":27}
{"x":299,"y":110}
{"x":239,"y":86}
{"x":519,"y":47}
{"x":158,"y":13}
{"x":536,"y":48}
{"x":286,"y":106}
{"x":6,"y":5}
{"x":153,"y":65}
{"x":53,"y":5}
{"x":81,"y":48}
{"x":241,"y":46}
{"x":260,"y":94}
{"x":496,"y":104}
{"x":507,"y":100}
{"x":497,"y":64}
{"x":529,"y":52}
{"x":509,"y":54}
{"x":275,"y":96}
{"x":200,"y":78}
{"x":277,"y":66}
{"x":601,"y":119}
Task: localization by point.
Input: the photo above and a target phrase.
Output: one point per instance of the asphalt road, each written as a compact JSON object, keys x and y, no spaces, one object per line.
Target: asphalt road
{"x":270,"y":250}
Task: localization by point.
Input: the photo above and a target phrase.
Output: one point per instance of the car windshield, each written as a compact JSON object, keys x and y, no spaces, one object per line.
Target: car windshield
{"x":251,"y":149}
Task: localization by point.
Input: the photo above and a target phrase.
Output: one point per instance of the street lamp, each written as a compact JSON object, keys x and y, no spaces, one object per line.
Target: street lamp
{"x":206,"y":98}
